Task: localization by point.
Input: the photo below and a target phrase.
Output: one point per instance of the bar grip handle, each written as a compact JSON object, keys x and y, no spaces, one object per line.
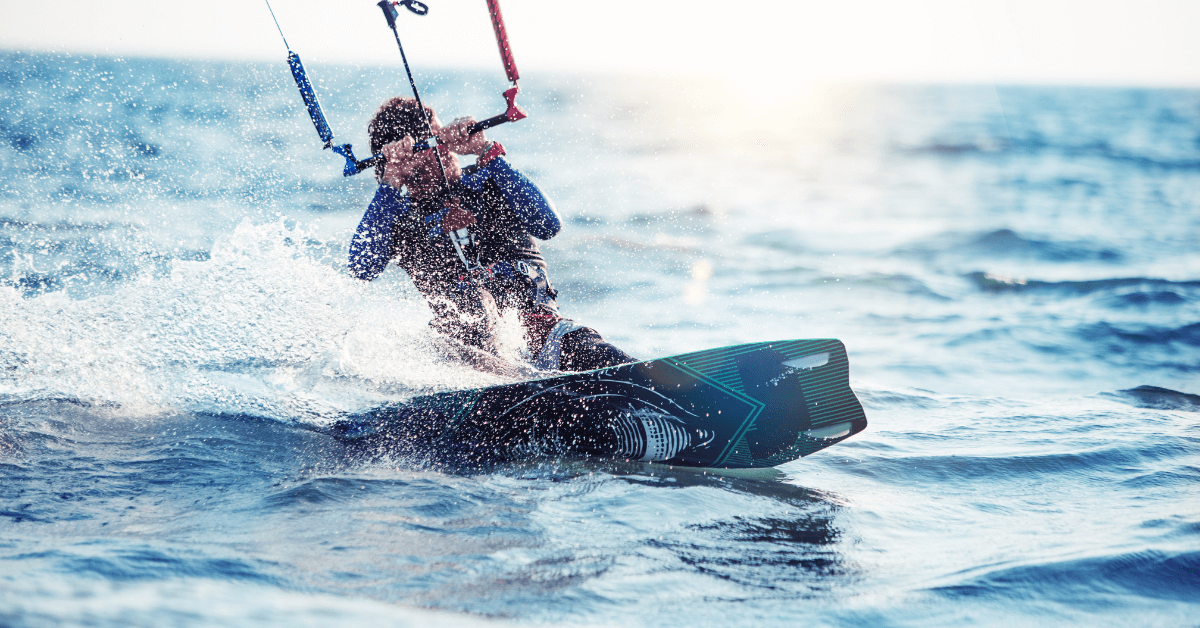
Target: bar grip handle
{"x":513,"y":113}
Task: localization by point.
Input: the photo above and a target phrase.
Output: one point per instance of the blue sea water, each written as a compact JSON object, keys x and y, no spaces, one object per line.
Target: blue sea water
{"x":1014,"y":271}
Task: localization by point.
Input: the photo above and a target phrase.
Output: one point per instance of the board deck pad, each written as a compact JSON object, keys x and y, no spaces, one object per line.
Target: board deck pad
{"x":744,"y":406}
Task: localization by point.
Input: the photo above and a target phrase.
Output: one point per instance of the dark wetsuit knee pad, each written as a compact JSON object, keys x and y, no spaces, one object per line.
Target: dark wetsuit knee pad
{"x":584,"y":350}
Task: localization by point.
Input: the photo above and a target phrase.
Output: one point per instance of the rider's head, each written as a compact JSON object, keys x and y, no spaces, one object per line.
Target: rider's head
{"x":396,"y":119}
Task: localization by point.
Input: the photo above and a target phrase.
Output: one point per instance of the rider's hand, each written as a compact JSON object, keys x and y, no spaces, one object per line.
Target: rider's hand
{"x":458,"y":138}
{"x":400,"y":162}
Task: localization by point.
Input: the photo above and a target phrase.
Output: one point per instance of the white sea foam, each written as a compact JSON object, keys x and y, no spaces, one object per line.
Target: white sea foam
{"x":263,"y":327}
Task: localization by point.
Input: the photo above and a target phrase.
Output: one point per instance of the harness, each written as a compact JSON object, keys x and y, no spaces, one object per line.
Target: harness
{"x":455,"y":222}
{"x":496,"y":275}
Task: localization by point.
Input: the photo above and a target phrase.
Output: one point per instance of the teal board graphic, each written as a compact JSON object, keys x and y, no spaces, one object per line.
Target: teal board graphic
{"x":745,"y":406}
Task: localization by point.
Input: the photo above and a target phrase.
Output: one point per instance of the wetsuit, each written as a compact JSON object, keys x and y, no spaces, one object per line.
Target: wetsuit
{"x":509,"y":271}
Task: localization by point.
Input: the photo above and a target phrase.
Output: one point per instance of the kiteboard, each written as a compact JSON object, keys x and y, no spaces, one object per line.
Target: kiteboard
{"x":740,"y":407}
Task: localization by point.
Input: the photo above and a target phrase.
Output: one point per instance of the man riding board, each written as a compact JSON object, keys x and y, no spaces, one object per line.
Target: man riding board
{"x":466,"y":238}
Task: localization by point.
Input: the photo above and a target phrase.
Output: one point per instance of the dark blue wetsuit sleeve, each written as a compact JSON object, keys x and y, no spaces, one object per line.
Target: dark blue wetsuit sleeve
{"x":372,"y":248}
{"x":536,"y":211}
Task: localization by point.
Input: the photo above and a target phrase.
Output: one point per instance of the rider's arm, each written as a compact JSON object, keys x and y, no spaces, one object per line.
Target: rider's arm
{"x":372,"y":247}
{"x":532,"y":207}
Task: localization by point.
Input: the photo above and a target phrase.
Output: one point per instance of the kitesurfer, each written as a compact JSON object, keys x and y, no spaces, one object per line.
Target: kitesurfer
{"x":466,"y":239}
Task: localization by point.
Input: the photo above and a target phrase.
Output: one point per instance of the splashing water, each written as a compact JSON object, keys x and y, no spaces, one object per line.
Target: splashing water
{"x":264,"y":327}
{"x":1013,"y":272}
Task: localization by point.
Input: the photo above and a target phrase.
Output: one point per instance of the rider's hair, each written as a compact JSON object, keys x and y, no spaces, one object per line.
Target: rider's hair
{"x":396,"y":118}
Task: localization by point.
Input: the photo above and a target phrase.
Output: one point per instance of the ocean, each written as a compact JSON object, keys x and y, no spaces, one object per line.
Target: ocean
{"x":1014,"y":271}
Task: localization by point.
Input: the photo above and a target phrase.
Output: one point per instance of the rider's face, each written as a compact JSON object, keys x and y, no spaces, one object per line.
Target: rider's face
{"x":427,"y":169}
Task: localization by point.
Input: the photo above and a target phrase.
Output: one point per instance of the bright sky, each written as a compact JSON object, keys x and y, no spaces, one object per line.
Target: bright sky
{"x":765,"y":42}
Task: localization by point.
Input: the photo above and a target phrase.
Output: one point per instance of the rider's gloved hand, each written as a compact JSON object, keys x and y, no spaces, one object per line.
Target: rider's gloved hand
{"x":458,"y":138}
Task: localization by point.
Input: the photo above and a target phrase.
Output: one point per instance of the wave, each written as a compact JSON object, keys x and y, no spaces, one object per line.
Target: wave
{"x":1161,"y":398}
{"x":1000,"y":147}
{"x":1150,"y":574}
{"x":1149,"y":129}
{"x":900,"y":283}
{"x":1164,"y":348}
{"x":907,"y":470}
{"x":1007,"y":244}
{"x":150,"y":563}
{"x":1141,"y":300}
{"x":318,"y":491}
{"x":1188,"y":335}
{"x":989,"y":282}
